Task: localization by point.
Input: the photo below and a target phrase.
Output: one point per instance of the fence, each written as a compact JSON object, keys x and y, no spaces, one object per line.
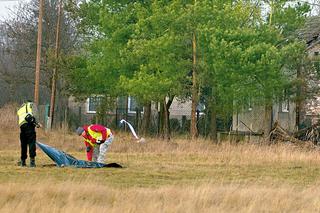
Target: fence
{"x":178,"y":125}
{"x":71,"y":118}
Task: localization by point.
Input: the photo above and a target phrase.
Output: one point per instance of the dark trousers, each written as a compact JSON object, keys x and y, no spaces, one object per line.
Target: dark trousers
{"x":28,"y":138}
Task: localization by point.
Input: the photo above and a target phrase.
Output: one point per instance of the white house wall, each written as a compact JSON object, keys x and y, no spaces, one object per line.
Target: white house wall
{"x":179,"y":109}
{"x":248,"y":120}
{"x":286,"y":119}
{"x":253,"y":120}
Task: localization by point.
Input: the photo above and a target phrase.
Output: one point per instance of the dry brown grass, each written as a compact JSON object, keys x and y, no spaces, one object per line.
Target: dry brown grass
{"x":8,"y":116}
{"x":180,"y":176}
{"x":91,"y":196}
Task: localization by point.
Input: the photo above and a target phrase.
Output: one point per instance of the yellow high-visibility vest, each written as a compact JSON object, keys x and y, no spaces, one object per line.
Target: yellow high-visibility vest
{"x":97,"y":135}
{"x":89,"y":142}
{"x":108,"y":132}
{"x":24,"y":110}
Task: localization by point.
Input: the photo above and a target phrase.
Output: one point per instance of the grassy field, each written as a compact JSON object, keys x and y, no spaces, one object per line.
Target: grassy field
{"x":180,"y":176}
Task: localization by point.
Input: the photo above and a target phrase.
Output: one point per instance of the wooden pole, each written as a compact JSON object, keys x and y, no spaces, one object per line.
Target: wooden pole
{"x":194,"y":103}
{"x":38,"y":59}
{"x":194,"y":100}
{"x":54,"y":74}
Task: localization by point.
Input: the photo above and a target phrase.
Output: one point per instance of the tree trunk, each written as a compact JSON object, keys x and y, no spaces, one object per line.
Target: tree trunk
{"x":299,"y":99}
{"x":165,"y":118}
{"x":146,"y":118}
{"x":168,"y":104}
{"x":298,"y":111}
{"x":54,"y":72}
{"x":161,"y":120}
{"x":166,"y":121}
{"x":126,"y":112}
{"x":267,"y":120}
{"x":213,"y":121}
{"x":193,"y":127}
{"x":138,"y":117}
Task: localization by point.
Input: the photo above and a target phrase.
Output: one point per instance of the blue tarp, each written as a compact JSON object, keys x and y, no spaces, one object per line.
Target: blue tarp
{"x":63,"y":159}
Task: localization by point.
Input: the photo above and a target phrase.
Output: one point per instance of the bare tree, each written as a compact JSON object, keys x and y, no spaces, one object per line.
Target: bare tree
{"x":20,"y":34}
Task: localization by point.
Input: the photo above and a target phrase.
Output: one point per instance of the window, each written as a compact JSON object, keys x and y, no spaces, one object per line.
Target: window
{"x":93,"y":102}
{"x":285,"y":106}
{"x":121,"y":104}
{"x":201,"y":107}
{"x":133,"y":105}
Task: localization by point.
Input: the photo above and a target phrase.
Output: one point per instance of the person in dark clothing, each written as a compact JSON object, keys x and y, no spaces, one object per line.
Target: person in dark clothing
{"x":27,"y":123}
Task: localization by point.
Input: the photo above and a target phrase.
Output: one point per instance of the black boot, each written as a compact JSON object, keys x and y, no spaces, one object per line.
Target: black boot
{"x":32,"y":162}
{"x":22,"y":163}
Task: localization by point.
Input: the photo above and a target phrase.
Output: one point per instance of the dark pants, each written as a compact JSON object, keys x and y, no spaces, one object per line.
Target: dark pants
{"x":28,"y":138}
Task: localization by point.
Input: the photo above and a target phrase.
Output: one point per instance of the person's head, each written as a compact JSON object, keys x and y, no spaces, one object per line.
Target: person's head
{"x":30,"y":104}
{"x":79,"y":130}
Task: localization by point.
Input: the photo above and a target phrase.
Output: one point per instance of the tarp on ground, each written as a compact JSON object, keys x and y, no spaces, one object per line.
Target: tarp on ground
{"x":63,"y":159}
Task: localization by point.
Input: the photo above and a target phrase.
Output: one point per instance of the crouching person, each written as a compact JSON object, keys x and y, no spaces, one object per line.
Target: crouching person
{"x":97,"y":140}
{"x":27,"y":123}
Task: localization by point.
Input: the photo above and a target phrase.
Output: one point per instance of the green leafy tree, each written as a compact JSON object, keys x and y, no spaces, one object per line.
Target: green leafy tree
{"x":285,"y":17}
{"x":226,"y":52}
{"x":158,"y":52}
{"x":106,"y":28}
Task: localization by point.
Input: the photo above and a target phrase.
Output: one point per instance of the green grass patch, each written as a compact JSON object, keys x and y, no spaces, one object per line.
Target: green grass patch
{"x":154,"y":170}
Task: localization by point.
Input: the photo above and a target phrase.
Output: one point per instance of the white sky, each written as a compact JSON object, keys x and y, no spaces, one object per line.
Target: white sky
{"x":5,"y":6}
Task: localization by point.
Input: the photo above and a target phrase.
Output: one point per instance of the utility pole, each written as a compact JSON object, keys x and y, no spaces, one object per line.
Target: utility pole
{"x":194,"y":100}
{"x":193,"y":128}
{"x":38,"y":60}
{"x":54,"y":73}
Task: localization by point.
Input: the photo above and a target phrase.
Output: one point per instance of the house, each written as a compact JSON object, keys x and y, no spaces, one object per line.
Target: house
{"x":250,"y":120}
{"x":313,"y":105}
{"x":84,"y":112}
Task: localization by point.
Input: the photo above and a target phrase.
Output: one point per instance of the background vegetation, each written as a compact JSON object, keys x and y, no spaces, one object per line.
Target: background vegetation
{"x":223,"y":54}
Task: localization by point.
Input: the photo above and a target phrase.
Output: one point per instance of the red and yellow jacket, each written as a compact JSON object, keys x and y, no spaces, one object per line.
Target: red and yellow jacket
{"x":96,"y":132}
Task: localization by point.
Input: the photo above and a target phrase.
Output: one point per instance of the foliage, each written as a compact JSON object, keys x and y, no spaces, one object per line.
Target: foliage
{"x":144,"y":49}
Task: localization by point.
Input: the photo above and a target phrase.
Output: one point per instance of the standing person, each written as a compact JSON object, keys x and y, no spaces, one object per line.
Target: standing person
{"x":27,"y":122}
{"x":97,"y":139}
